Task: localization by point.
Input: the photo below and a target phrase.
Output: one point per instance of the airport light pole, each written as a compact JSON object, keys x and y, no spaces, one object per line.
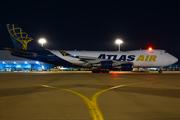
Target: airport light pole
{"x":42,"y":41}
{"x":119,"y":41}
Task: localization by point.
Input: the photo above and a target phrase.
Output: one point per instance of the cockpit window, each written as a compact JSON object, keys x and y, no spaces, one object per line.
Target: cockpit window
{"x":165,"y":52}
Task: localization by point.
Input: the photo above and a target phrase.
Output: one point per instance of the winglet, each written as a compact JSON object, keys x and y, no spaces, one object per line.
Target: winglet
{"x":64,"y":53}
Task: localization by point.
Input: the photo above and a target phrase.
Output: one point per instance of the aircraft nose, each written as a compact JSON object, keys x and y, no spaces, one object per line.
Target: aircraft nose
{"x":174,"y":59}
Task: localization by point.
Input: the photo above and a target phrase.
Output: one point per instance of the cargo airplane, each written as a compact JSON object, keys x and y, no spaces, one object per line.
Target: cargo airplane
{"x":99,"y":61}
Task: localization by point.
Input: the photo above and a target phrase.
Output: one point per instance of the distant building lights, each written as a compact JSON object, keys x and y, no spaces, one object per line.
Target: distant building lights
{"x":3,"y":62}
{"x":74,"y":55}
{"x":18,"y":66}
{"x":37,"y":62}
{"x":14,"y":62}
{"x":7,"y":65}
{"x":62,"y":68}
{"x":25,"y":62}
{"x":28,"y":66}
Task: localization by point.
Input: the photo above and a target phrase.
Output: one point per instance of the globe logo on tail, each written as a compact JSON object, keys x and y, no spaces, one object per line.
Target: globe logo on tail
{"x":18,"y":34}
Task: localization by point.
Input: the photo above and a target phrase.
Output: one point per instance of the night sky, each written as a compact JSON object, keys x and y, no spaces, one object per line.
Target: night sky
{"x":94,"y":24}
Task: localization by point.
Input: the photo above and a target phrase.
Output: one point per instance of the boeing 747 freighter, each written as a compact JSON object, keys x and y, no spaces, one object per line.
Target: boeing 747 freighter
{"x":99,"y":61}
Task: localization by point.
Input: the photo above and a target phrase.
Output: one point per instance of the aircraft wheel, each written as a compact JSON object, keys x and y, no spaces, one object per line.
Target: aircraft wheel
{"x":96,"y":71}
{"x":107,"y":71}
{"x":103,"y":71}
{"x":93,"y":71}
{"x":160,"y":71}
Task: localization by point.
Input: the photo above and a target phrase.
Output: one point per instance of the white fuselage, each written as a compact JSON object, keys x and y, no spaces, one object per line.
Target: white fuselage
{"x":139,"y":58}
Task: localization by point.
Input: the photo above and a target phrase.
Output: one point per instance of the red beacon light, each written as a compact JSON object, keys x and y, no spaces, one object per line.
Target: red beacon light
{"x":150,"y":48}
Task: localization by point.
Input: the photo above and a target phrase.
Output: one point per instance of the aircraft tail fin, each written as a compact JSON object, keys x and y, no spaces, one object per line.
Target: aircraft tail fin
{"x":21,"y":39}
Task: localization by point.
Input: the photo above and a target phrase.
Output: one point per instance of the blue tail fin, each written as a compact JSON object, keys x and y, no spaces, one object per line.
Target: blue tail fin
{"x":21,"y":39}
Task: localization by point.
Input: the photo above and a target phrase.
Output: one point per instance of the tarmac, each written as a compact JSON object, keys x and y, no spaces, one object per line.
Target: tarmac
{"x":67,"y":95}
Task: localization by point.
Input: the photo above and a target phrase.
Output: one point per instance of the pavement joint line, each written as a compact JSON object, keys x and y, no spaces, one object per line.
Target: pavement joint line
{"x":92,"y":104}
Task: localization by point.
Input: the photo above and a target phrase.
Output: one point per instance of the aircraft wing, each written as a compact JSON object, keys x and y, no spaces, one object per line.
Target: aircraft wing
{"x":94,"y":60}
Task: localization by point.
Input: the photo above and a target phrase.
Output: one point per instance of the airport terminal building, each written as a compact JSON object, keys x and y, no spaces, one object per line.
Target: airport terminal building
{"x":13,"y":63}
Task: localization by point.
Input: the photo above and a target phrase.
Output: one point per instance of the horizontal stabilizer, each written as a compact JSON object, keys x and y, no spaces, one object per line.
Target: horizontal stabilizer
{"x":20,"y":52}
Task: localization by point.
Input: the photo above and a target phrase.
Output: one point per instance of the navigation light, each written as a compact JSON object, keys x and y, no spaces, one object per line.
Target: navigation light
{"x":150,"y":48}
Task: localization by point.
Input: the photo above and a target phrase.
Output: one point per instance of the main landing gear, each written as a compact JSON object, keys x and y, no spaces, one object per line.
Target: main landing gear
{"x":100,"y":71}
{"x":160,"y":71}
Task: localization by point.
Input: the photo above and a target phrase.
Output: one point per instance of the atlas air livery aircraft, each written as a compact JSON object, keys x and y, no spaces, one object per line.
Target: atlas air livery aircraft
{"x":99,"y":61}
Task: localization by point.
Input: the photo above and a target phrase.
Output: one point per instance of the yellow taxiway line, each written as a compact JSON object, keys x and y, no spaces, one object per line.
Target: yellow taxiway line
{"x":92,"y":104}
